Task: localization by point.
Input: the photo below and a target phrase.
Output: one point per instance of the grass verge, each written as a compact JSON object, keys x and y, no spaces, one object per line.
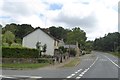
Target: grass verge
{"x":116,"y":54}
{"x":72,"y":63}
{"x":24,"y":65}
{"x":0,"y":65}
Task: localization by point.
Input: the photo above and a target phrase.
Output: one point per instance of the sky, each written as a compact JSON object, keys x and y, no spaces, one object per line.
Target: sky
{"x":95,"y":17}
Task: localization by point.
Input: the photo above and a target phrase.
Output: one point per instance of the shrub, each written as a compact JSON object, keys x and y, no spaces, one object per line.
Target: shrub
{"x":72,"y":52}
{"x":44,"y":60}
{"x":46,"y":56}
{"x":5,"y":44}
{"x":88,"y":51}
{"x":63,"y":49}
{"x":16,"y":45}
{"x":11,"y":52}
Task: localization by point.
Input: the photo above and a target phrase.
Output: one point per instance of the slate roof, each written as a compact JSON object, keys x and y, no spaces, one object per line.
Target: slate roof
{"x":43,"y":31}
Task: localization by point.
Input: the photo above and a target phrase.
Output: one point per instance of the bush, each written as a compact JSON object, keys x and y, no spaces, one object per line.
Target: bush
{"x":9,"y":52}
{"x":88,"y":51}
{"x":62,"y":49}
{"x":72,"y":52}
{"x":44,"y":60}
{"x":46,"y":56}
{"x":16,"y":45}
{"x":5,"y":44}
{"x":118,"y":49}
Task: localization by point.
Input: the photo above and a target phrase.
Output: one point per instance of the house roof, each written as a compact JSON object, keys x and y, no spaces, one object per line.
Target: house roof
{"x":43,"y":31}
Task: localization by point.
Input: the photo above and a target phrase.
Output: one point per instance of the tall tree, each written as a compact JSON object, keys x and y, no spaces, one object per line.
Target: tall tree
{"x":59,"y":32}
{"x":76,"y":35}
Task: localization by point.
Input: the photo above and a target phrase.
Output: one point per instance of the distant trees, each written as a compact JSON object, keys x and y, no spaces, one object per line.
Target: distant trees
{"x":59,"y":32}
{"x":110,"y":42}
{"x":18,"y":30}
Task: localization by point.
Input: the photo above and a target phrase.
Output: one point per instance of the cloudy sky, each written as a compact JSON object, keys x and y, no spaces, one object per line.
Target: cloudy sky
{"x":95,"y":17}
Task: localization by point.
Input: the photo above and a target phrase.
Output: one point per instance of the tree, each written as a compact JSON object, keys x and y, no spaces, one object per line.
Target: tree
{"x":109,"y":42}
{"x":56,"y":32}
{"x":9,"y":37}
{"x":59,"y":32}
{"x":18,"y":30}
{"x":76,"y":35}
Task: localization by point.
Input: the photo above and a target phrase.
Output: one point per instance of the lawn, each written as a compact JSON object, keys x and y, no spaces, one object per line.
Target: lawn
{"x":72,"y":63}
{"x":25,"y":65}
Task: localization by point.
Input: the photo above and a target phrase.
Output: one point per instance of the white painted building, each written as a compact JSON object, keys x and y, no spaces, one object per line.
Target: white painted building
{"x":38,"y":35}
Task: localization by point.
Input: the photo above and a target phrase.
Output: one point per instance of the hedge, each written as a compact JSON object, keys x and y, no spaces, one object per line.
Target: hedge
{"x":9,"y":52}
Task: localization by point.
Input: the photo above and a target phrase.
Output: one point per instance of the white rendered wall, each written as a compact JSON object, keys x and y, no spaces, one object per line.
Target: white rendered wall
{"x":31,"y":39}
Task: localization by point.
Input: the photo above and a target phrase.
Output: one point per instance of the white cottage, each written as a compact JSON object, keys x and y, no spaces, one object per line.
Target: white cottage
{"x":38,"y":35}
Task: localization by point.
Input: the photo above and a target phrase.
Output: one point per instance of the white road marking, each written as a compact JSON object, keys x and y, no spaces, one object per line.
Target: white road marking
{"x":74,"y":73}
{"x":86,"y":69}
{"x":112,"y":61}
{"x":78,"y":77}
{"x":103,"y":60}
{"x":18,"y":76}
{"x":35,"y":77}
{"x":78,"y":71}
{"x":2,"y":76}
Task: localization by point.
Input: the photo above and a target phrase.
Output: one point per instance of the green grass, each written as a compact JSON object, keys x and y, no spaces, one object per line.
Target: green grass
{"x":116,"y":54}
{"x":0,"y":65}
{"x":25,"y":65}
{"x":72,"y":63}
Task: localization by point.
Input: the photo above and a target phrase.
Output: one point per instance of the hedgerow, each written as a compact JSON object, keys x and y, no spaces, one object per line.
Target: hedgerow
{"x":11,"y":52}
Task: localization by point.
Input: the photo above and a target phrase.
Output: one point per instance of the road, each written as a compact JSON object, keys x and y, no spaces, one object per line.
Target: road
{"x":95,"y":65}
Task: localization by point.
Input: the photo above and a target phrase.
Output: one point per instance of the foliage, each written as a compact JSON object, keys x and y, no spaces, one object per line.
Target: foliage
{"x":76,"y":35}
{"x":38,"y":45}
{"x":5,"y":44}
{"x":72,"y":52}
{"x":46,"y":56}
{"x":110,"y":42}
{"x":8,"y":37}
{"x":44,"y":48}
{"x":16,"y":45}
{"x":10,"y":52}
{"x":44,"y":60}
{"x":62,"y":50}
{"x":88,"y":46}
{"x":59,"y":32}
{"x":18,"y":30}
{"x":41,"y":48}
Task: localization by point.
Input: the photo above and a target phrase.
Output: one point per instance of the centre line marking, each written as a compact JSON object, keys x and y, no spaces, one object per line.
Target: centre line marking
{"x":86,"y":69}
{"x":74,"y":73}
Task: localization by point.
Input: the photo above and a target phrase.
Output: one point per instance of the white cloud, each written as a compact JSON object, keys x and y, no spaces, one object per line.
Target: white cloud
{"x":96,"y":17}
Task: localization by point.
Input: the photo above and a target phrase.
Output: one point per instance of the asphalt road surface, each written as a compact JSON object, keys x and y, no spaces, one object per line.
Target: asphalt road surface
{"x":95,"y":65}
